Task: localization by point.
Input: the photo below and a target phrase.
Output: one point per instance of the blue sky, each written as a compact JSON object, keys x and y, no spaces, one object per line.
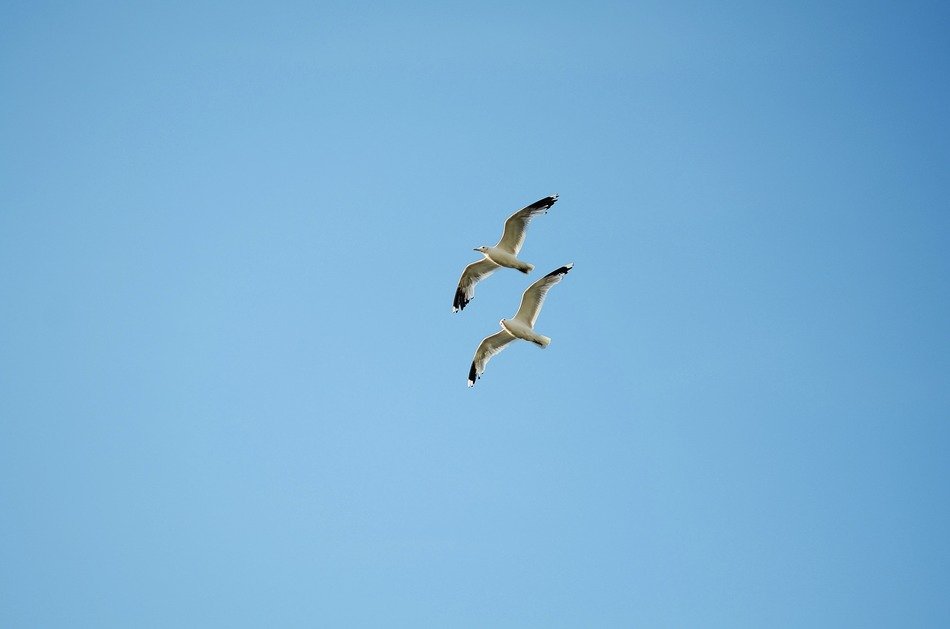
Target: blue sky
{"x":232,"y":390}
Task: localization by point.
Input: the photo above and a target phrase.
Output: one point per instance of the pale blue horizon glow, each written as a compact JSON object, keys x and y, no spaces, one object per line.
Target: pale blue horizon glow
{"x":232,"y":390}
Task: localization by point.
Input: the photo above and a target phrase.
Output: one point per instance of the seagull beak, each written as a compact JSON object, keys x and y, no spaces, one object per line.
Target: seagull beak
{"x":474,"y":249}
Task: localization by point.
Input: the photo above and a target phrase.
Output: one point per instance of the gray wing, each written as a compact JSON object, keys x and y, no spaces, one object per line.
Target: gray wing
{"x":489,"y":346}
{"x":470,"y":276}
{"x":516,"y":227}
{"x":533,"y":297}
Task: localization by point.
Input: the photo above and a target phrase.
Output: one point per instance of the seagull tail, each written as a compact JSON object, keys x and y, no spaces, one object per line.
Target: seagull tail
{"x":526,"y":268}
{"x":543,"y":341}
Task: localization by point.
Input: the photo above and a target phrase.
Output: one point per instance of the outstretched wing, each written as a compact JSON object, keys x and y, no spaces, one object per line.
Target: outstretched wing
{"x":470,"y":276}
{"x":489,"y":346}
{"x":533,"y":297}
{"x":516,"y":227}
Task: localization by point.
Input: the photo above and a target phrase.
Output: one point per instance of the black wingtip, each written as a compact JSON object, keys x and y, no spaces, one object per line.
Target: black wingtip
{"x":472,"y":376}
{"x":460,"y":302}
{"x":544,"y":203}
{"x":561,"y":271}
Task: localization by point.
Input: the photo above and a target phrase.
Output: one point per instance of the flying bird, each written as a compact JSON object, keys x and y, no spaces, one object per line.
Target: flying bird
{"x":521,"y":326}
{"x":505,"y":253}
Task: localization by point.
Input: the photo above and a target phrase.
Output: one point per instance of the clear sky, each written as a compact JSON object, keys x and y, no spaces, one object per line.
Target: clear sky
{"x":232,"y":390}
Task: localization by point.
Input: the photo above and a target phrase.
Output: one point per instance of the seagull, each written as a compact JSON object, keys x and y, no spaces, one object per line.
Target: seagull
{"x":521,"y":326}
{"x":505,"y":253}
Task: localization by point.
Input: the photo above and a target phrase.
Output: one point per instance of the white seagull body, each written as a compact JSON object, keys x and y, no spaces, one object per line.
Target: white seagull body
{"x":521,"y":326}
{"x":505,"y":253}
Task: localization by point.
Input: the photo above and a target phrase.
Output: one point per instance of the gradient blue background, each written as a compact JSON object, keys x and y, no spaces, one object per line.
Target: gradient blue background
{"x":232,"y":391}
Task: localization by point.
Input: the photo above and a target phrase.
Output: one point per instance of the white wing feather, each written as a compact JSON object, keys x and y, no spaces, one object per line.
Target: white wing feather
{"x":533,"y":297}
{"x":489,"y":346}
{"x":516,"y":227}
{"x":472,"y":274}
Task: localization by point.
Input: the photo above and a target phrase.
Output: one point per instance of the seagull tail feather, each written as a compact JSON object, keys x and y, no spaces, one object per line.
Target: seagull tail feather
{"x":543,"y":341}
{"x":527,"y":268}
